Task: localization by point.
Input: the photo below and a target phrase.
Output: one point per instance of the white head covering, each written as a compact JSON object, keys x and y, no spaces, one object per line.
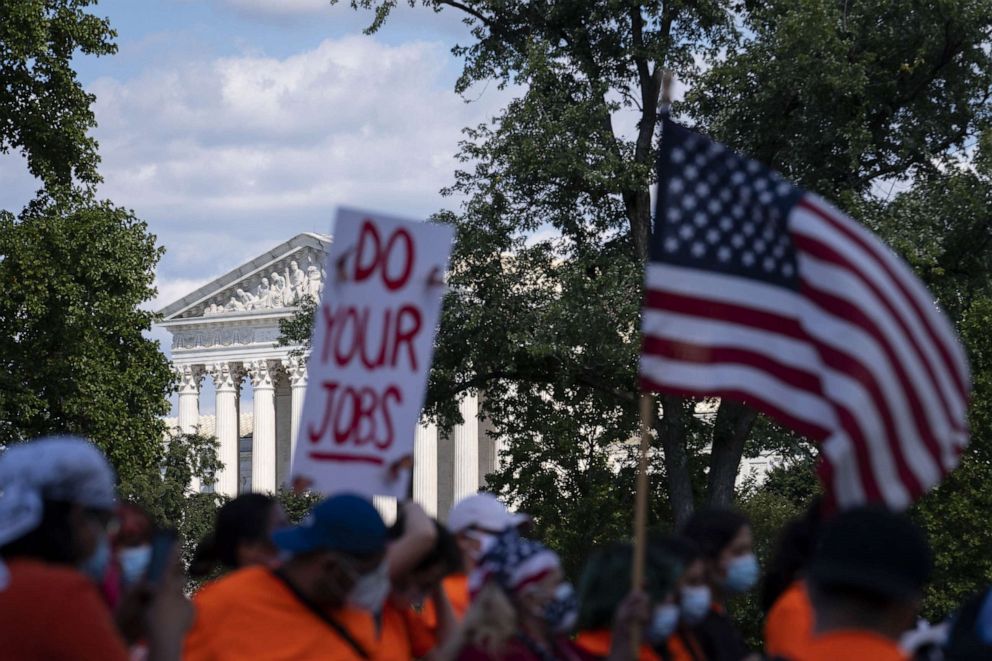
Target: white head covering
{"x":65,"y":468}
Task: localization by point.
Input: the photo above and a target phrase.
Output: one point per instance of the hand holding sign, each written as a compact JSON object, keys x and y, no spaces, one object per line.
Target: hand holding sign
{"x":371,"y":353}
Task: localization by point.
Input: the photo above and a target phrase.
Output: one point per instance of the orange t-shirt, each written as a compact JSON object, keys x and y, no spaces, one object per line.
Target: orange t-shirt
{"x":683,"y":646}
{"x":252,"y":614}
{"x":850,"y":645}
{"x":402,"y":635}
{"x":52,"y":612}
{"x":597,"y":642}
{"x":789,"y":624}
{"x":456,"y":589}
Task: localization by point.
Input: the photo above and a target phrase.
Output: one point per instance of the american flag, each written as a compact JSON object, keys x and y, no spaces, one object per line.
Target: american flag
{"x":758,"y":291}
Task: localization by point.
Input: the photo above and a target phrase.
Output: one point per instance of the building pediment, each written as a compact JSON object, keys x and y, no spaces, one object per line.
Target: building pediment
{"x":272,"y":283}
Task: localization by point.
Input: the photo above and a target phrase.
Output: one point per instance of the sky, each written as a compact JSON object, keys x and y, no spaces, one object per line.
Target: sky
{"x":232,"y":125}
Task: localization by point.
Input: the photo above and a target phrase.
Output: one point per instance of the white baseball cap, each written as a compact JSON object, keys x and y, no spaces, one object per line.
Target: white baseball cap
{"x":483,"y":510}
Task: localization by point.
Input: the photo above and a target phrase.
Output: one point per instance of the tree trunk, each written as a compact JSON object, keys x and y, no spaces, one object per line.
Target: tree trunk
{"x":733,"y":425}
{"x":671,"y":432}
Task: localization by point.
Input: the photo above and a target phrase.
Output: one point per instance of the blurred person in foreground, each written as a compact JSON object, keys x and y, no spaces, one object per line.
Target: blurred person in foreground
{"x":242,"y":536}
{"x":724,"y":538}
{"x":420,"y":556}
{"x":693,"y":596}
{"x":970,"y":632}
{"x":475,"y":521}
{"x":606,"y":582}
{"x":56,"y":507}
{"x":319,"y":604}
{"x":866,"y":582}
{"x":785,"y":600}
{"x":522,"y":609}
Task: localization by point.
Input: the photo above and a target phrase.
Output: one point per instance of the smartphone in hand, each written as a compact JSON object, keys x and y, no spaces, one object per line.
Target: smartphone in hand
{"x":163,"y":542}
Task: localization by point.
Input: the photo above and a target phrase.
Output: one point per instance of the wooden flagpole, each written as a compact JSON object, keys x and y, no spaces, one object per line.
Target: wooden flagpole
{"x":647,"y":419}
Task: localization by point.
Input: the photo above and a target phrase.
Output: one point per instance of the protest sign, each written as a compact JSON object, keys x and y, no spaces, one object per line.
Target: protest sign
{"x":371,"y":353}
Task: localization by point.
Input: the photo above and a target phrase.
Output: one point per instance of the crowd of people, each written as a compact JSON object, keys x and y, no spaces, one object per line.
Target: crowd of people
{"x":83,"y":576}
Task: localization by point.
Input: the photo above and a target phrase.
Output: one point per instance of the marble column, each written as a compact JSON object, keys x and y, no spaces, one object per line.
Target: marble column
{"x":465,"y":439}
{"x":190,"y":377}
{"x":227,"y":380}
{"x":284,"y":413}
{"x":263,"y":437}
{"x":425,"y":467}
{"x":387,"y":508}
{"x":296,"y":369}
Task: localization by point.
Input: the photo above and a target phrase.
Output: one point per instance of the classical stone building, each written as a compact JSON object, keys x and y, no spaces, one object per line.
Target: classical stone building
{"x":227,"y":331}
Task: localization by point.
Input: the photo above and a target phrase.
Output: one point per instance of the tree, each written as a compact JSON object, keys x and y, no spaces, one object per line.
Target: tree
{"x":73,"y":357}
{"x":551,"y":235}
{"x":44,"y":111}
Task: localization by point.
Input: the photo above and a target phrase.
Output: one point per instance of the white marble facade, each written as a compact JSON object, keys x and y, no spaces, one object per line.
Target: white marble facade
{"x":227,"y":331}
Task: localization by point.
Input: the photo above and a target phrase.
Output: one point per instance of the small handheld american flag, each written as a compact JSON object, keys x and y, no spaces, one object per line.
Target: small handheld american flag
{"x":758,"y":291}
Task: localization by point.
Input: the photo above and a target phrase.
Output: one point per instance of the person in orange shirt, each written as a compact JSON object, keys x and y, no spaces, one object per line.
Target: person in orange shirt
{"x":241,"y":536}
{"x":318,"y":605}
{"x":604,"y":584}
{"x":474,"y":521}
{"x":866,"y":582}
{"x":56,"y":505}
{"x":693,"y":596}
{"x":422,"y":555}
{"x":784,"y":598}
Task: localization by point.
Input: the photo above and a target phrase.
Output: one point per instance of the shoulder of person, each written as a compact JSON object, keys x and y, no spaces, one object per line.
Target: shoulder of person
{"x":235,"y":585}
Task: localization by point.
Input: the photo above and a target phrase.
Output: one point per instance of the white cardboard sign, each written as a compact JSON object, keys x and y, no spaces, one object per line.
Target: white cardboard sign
{"x":371,"y":353}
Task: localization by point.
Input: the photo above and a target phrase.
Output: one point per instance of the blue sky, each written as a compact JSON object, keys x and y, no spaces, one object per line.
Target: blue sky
{"x":232,"y":125}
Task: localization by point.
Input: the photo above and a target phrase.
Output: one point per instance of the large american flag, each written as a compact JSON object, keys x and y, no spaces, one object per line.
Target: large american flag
{"x":759,"y":291}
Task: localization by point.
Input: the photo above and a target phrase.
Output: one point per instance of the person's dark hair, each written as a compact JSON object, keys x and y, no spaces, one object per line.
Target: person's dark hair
{"x":445,"y":553}
{"x":243,"y":520}
{"x":792,"y":554}
{"x":714,"y":529}
{"x":684,"y":550}
{"x":605,"y":581}
{"x":51,"y":541}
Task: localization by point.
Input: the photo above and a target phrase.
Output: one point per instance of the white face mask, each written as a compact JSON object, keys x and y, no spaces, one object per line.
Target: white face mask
{"x":370,"y":590}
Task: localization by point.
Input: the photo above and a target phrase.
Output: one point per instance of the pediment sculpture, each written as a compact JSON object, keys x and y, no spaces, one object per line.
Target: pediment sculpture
{"x":283,"y":287}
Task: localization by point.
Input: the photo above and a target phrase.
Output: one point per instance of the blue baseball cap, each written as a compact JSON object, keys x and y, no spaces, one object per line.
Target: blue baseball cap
{"x":346,"y":523}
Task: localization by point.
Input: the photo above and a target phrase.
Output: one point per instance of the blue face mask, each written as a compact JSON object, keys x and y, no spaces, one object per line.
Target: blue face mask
{"x":134,"y":563}
{"x":95,"y":566}
{"x":742,"y":573}
{"x":695,"y":602}
{"x":663,"y":622}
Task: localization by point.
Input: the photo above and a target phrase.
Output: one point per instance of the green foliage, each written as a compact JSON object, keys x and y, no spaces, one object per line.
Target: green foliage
{"x":73,"y":357}
{"x":44,"y":111}
{"x":296,"y":505}
{"x":165,"y":491}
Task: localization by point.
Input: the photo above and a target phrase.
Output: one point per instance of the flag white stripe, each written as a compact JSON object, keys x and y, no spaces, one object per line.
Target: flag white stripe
{"x":710,"y":332}
{"x":805,"y":223}
{"x":936,"y":319}
{"x":843,"y":284}
{"x":851,"y":340}
{"x":722,"y":288}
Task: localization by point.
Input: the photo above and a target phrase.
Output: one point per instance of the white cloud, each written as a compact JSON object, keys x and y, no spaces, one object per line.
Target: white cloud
{"x":230,"y":156}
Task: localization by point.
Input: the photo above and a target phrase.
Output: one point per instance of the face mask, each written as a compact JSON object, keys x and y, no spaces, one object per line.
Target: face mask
{"x":695,"y":604}
{"x":561,"y":612}
{"x":95,"y":566}
{"x":134,"y":563}
{"x":483,"y":538}
{"x":742,"y":573}
{"x":663,"y":623}
{"x":370,"y":590}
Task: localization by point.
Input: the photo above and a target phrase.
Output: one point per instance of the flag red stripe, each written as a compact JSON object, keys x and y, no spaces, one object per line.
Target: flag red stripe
{"x":856,"y":316}
{"x":698,"y":353}
{"x":802,"y":426}
{"x":767,"y":321}
{"x":960,"y":380}
{"x":828,"y":254}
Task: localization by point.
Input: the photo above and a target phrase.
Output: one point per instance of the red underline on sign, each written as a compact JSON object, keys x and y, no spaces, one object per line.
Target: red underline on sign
{"x":354,"y":458}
